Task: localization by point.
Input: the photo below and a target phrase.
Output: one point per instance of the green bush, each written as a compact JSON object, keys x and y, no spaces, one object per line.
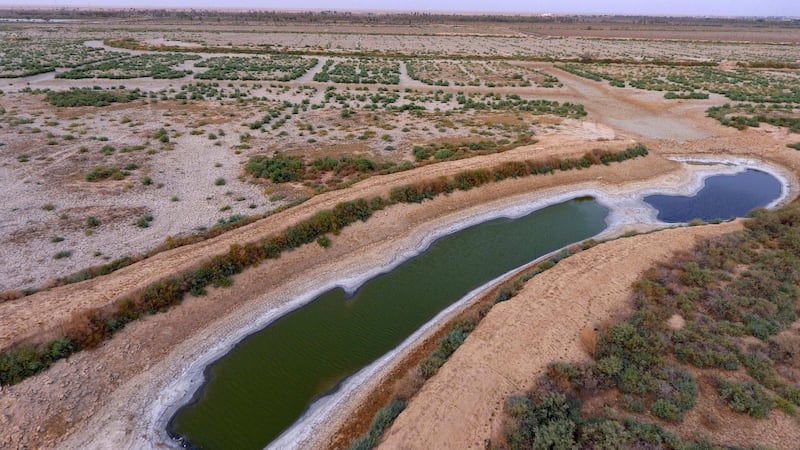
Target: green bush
{"x":144,"y":221}
{"x":746,"y":397}
{"x":605,"y":435}
{"x":447,"y":345}
{"x":62,"y":254}
{"x":667,"y":410}
{"x":105,"y":173}
{"x":90,"y":97}
{"x":549,"y":423}
{"x":324,"y":241}
{"x":92,"y":222}
{"x":280,"y":168}
{"x":20,"y":363}
{"x":380,"y":423}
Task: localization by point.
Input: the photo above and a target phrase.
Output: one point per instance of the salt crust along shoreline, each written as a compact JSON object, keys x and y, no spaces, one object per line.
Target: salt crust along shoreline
{"x":627,"y":212}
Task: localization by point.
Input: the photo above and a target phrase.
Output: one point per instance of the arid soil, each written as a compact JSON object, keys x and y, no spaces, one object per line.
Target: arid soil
{"x":108,"y":397}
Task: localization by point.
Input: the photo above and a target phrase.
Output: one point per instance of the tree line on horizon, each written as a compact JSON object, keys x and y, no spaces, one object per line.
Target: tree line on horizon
{"x":394,"y":18}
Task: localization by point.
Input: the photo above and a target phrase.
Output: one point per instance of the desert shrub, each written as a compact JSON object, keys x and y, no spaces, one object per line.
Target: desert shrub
{"x":90,"y":97}
{"x":653,"y":434}
{"x":280,"y":168}
{"x":761,"y":369}
{"x":548,"y":422}
{"x":22,"y":362}
{"x":666,"y":410}
{"x":105,"y":173}
{"x":469,"y":179}
{"x":746,"y":397}
{"x":324,"y":241}
{"x":634,"y":346}
{"x":144,"y":221}
{"x":92,"y":222}
{"x":511,"y":169}
{"x":505,"y":293}
{"x":380,"y":423}
{"x":160,"y":295}
{"x":629,"y":153}
{"x":704,"y":347}
{"x":670,"y":95}
{"x":556,"y":435}
{"x":447,"y":345}
{"x":95,"y":271}
{"x":62,"y":254}
{"x":408,"y":194}
{"x":605,"y":435}
{"x":87,"y":330}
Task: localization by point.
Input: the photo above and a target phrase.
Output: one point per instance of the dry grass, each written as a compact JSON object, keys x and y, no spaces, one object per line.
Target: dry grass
{"x":588,"y":339}
{"x":6,"y":296}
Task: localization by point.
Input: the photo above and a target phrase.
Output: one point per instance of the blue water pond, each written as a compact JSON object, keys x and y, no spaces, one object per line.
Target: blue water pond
{"x":722,"y":197}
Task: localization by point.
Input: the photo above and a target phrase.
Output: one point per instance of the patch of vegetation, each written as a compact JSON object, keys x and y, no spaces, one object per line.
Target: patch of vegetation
{"x":105,"y":173}
{"x":744,"y":115}
{"x":158,"y":66}
{"x":20,"y":363}
{"x":447,"y":345}
{"x":144,"y":221}
{"x":746,"y":397}
{"x":361,"y":70}
{"x":696,"y":81}
{"x":686,"y":95}
{"x":91,"y":97}
{"x":455,"y":150}
{"x":62,"y":254}
{"x":92,"y":222}
{"x":22,"y":57}
{"x":276,"y":67}
{"x":380,"y":423}
{"x":279,"y":168}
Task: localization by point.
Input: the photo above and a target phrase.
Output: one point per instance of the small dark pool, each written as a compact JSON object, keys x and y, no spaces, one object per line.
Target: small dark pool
{"x":722,"y":197}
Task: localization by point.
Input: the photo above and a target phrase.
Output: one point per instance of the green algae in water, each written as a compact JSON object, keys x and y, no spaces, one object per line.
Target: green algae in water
{"x":265,"y":384}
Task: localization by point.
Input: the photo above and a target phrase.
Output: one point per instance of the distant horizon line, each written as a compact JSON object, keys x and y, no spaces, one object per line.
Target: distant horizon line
{"x":380,"y":11}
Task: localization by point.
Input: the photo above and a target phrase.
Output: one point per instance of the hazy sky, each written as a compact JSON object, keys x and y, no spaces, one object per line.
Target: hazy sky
{"x":659,"y":7}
